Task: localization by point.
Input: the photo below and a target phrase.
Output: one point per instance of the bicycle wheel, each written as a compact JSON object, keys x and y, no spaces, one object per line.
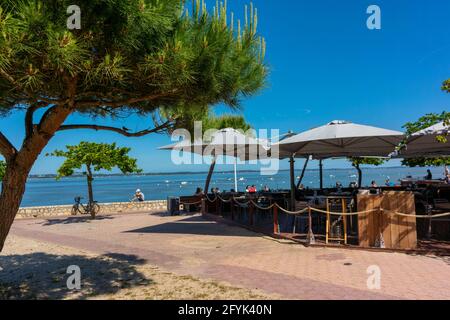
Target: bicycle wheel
{"x":94,"y":209}
{"x":74,"y":210}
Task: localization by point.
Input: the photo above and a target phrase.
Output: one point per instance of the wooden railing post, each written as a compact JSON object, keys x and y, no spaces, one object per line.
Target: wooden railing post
{"x":216,"y":204}
{"x":311,"y":239}
{"x":232,"y":208}
{"x":203,"y":209}
{"x":219,"y":206}
{"x":276,"y":226}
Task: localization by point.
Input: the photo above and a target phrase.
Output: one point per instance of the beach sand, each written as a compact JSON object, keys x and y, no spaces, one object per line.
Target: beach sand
{"x":37,"y":270}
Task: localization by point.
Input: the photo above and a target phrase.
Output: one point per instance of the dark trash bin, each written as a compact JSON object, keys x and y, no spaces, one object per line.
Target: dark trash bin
{"x":173,"y":205}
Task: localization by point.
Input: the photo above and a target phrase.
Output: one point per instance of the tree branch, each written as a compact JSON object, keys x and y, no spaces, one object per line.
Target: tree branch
{"x":123,"y":131}
{"x":98,"y":103}
{"x":29,"y":117}
{"x":10,"y":79}
{"x":6,"y":147}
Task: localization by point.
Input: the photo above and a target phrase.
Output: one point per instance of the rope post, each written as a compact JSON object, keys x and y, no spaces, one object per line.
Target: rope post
{"x":216,"y":204}
{"x":429,"y":211}
{"x":311,"y":239}
{"x":203,"y":208}
{"x":276,"y":226}
{"x":344,"y":219}
{"x":232,"y":208}
{"x":327,"y":233}
{"x":251,"y":210}
{"x":219,"y":206}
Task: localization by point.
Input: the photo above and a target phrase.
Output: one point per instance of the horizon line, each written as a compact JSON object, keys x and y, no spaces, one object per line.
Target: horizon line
{"x":43,"y":175}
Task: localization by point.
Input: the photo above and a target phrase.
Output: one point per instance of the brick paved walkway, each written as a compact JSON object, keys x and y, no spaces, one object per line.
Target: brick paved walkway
{"x":207,"y":249}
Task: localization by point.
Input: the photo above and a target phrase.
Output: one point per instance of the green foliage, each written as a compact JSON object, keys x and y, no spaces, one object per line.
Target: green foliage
{"x":426,"y":162}
{"x":141,"y":56}
{"x":356,"y":162}
{"x":422,"y":123}
{"x":446,"y":86}
{"x":427,"y":121}
{"x":225,"y":121}
{"x":210,"y":121}
{"x":96,"y":157}
{"x":2,"y":169}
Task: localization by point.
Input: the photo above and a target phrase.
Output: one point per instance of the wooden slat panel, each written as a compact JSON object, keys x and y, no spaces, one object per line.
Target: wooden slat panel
{"x":403,"y":221}
{"x":412,"y":231}
{"x":385,"y":224}
{"x":362,"y":205}
{"x":395,"y":240}
{"x":398,"y":232}
{"x":376,"y":219}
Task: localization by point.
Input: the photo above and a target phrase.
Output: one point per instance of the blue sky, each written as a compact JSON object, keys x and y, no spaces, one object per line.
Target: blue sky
{"x":325,"y":64}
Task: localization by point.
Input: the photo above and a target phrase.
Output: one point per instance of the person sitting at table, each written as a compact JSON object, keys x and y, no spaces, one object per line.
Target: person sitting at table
{"x":353,"y":185}
{"x":199,"y":192}
{"x":388,"y":183}
{"x":252,"y":189}
{"x":429,"y":175}
{"x":215,"y":190}
{"x":373,"y":184}
{"x":266,"y":189}
{"x":247,"y":188}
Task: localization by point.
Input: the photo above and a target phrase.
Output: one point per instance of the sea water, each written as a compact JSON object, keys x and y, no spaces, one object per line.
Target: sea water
{"x":48,"y":191}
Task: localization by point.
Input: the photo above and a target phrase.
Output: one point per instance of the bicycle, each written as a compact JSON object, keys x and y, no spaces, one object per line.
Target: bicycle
{"x":91,"y":208}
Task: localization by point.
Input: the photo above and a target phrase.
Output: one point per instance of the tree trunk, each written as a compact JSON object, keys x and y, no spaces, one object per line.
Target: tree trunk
{"x":90,"y":191}
{"x":303,"y":173}
{"x":321,"y":173}
{"x":13,"y":188}
{"x":210,"y":173}
{"x":19,"y":164}
{"x":292,"y":181}
{"x":359,"y":175}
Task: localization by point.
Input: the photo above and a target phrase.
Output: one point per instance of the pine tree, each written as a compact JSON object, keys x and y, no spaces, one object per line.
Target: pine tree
{"x":154,"y":58}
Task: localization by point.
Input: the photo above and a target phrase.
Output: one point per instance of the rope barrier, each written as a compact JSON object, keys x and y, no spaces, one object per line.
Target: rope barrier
{"x":381,"y":210}
{"x":343,"y":213}
{"x":292,"y":212}
{"x":241,"y":204}
{"x":417,"y":216}
{"x":215,"y":198}
{"x":225,"y":201}
{"x":262,"y":208}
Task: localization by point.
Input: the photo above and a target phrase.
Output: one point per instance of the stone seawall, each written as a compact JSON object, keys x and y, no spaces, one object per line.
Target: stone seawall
{"x":105,"y":208}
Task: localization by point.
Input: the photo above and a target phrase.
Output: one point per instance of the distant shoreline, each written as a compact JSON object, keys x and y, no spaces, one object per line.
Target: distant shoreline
{"x":52,"y":176}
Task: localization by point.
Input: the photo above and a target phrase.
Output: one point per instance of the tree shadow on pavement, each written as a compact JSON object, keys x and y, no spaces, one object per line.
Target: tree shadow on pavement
{"x":44,"y":276}
{"x":69,"y":220}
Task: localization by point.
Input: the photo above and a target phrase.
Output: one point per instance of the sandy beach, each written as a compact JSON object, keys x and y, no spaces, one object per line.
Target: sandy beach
{"x":37,"y":270}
